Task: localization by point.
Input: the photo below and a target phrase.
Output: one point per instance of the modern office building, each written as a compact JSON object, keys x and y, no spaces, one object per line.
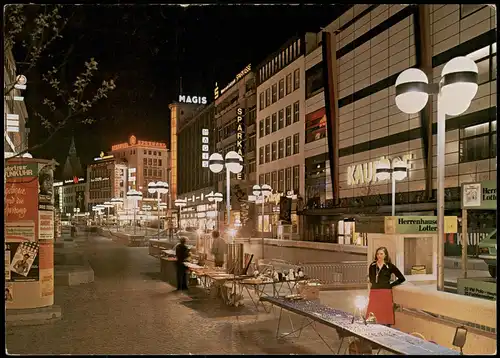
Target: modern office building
{"x":196,"y":137}
{"x":69,"y":197}
{"x":352,"y":120}
{"x":235,"y":116}
{"x":280,"y":118}
{"x":15,"y":113}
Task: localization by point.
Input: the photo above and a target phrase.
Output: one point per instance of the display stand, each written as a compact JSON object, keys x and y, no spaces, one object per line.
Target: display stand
{"x":412,"y":244}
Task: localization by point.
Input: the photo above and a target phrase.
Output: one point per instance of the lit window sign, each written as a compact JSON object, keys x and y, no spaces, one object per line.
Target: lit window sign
{"x":98,"y":179}
{"x":58,"y":183}
{"x":240,"y":132}
{"x":192,"y":99}
{"x":239,"y":76}
{"x":75,"y":180}
{"x":204,"y":147}
{"x":365,"y":173}
{"x":141,"y":143}
{"x":103,"y":157}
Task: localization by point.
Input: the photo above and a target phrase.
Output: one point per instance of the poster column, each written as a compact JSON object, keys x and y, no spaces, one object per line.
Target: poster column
{"x":29,"y":234}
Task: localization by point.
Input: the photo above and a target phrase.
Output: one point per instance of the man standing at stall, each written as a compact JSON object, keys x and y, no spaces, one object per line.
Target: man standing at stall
{"x":218,"y":249}
{"x":181,"y":253}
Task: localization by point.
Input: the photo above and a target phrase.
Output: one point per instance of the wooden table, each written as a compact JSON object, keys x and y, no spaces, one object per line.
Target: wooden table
{"x":384,"y":337}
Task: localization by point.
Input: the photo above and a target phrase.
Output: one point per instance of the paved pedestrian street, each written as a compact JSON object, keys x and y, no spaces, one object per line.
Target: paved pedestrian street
{"x":128,"y":310}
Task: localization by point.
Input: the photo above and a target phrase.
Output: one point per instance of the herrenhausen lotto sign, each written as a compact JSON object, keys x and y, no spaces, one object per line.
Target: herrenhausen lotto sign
{"x":418,"y":224}
{"x":480,"y":196}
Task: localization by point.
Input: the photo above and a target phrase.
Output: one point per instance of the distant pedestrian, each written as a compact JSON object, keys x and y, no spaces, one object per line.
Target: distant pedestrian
{"x":219,"y":248}
{"x":181,"y":253}
{"x":380,"y":301}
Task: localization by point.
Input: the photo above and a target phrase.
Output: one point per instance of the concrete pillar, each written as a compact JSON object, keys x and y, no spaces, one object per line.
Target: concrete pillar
{"x":29,"y":235}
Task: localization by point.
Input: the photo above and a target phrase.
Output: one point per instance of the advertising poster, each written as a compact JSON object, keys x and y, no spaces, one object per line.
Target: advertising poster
{"x":45,"y":188}
{"x":9,"y":292}
{"x":47,"y":285}
{"x":46,"y":255}
{"x":23,"y":261}
{"x":21,"y":190}
{"x":46,"y":225}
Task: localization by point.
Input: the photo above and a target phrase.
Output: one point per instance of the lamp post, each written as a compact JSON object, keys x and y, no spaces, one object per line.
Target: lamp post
{"x":180,"y":203}
{"x":397,"y":172}
{"x":108,"y":205}
{"x":134,"y":196}
{"x":455,"y":91}
{"x":217,"y":198}
{"x":262,"y":192}
{"x":163,"y":206}
{"x":116,"y":202}
{"x":234,"y":164}
{"x":159,"y":188}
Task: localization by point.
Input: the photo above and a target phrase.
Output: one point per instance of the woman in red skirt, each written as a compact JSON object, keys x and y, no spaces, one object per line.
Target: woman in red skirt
{"x":380,"y":301}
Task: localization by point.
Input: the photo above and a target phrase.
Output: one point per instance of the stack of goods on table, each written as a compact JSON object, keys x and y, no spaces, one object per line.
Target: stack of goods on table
{"x":309,"y":289}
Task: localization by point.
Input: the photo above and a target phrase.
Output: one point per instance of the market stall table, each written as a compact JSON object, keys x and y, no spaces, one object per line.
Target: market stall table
{"x":384,"y":337}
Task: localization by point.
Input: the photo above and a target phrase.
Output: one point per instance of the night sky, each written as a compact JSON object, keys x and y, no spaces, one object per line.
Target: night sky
{"x":148,"y":48}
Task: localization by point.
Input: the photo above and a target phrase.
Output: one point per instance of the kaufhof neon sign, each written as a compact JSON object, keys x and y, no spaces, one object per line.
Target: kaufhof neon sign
{"x":365,"y":173}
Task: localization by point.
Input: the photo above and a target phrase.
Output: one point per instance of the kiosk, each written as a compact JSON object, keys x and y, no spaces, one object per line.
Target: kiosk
{"x":412,"y":244}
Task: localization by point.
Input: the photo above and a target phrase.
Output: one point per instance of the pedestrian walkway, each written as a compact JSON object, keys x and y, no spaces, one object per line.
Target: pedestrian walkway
{"x":128,"y":310}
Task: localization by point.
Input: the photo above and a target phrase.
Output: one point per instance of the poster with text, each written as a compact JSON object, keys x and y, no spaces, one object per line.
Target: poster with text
{"x":9,"y":292}
{"x":46,"y":225}
{"x":23,"y":261}
{"x":21,"y":189}
{"x":45,"y":188}
{"x":7,"y":263}
{"x":47,"y":284}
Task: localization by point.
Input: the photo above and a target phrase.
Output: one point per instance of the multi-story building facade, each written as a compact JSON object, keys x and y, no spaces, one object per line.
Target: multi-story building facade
{"x":101,"y":180}
{"x":15,"y":113}
{"x":280,"y":118}
{"x":196,"y":140}
{"x":69,"y":196}
{"x":352,"y":120}
{"x":235,"y":116}
{"x":146,"y":161}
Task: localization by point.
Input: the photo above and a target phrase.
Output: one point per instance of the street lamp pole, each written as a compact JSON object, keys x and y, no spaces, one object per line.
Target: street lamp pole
{"x":234,"y":164}
{"x":134,"y":196}
{"x":180,"y":203}
{"x":159,"y":188}
{"x":455,"y":91}
{"x":262,"y":192}
{"x":398,"y":172}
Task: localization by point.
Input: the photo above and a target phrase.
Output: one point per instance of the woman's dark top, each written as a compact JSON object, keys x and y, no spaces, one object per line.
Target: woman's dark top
{"x":383,"y":281}
{"x":182,"y":253}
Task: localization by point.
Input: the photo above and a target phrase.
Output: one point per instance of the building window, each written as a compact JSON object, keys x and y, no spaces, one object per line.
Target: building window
{"x":281,"y":148}
{"x":274,"y":180}
{"x":261,"y":101}
{"x":288,"y":151}
{"x":261,"y":155}
{"x":316,"y":125}
{"x":288,"y":84}
{"x":478,"y":142}
{"x":261,"y":179}
{"x":268,"y":97}
{"x":314,"y":80}
{"x":268,"y":125}
{"x":155,"y":162}
{"x":145,"y":161}
{"x":288,"y":115}
{"x":145,"y":152}
{"x":281,"y":180}
{"x":252,"y":167}
{"x":296,"y":179}
{"x":274,"y":122}
{"x":296,"y":142}
{"x":288,"y":179}
{"x":261,"y":128}
{"x":268,"y":179}
{"x":150,"y":161}
{"x":274,"y":94}
{"x":251,"y":143}
{"x":296,"y":79}
{"x":274,"y":150}
{"x":281,"y":115}
{"x":159,"y":162}
{"x":149,"y":152}
{"x":296,"y":112}
{"x":268,"y":153}
{"x":281,"y":88}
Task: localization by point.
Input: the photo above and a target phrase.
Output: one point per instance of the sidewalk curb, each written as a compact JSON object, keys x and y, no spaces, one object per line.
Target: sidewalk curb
{"x":32,"y":316}
{"x":472,"y":264}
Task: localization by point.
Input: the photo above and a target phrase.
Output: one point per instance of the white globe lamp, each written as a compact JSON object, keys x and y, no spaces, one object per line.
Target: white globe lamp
{"x":411,"y":90}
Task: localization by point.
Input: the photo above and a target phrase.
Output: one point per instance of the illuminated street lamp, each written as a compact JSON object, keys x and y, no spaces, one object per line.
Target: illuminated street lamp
{"x":397,"y":172}
{"x":217,"y":198}
{"x":180,"y":203}
{"x":261,"y":192}
{"x":116,"y":202}
{"x":108,"y":205}
{"x":134,"y":196}
{"x":159,"y":188}
{"x":234,"y":164}
{"x":455,"y":91}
